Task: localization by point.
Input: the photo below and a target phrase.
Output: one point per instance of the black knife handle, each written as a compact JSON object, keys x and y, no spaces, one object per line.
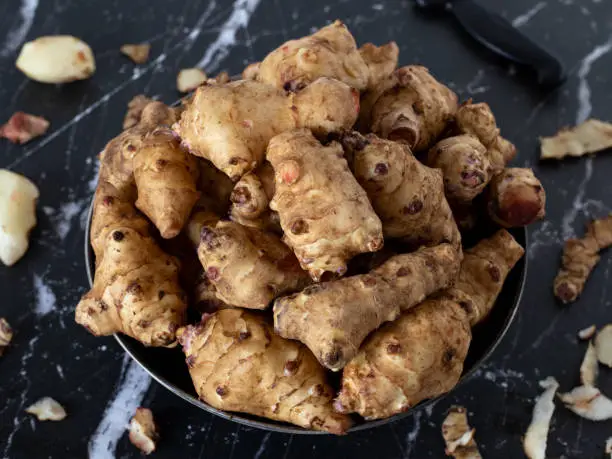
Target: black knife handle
{"x":497,"y":34}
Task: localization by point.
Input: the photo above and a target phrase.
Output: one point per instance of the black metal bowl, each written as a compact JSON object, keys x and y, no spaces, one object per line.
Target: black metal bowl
{"x":167,"y":366}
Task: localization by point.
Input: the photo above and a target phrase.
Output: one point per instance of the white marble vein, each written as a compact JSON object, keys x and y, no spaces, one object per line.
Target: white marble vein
{"x":16,"y":35}
{"x":262,"y":446}
{"x":46,"y":300}
{"x":584,"y":111}
{"x":413,"y":433}
{"x":219,"y":49}
{"x":528,"y":15}
{"x":22,"y":397}
{"x":131,"y":388}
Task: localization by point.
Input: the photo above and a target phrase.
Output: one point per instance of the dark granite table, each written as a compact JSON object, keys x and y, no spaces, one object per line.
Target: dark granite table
{"x":100,"y":386}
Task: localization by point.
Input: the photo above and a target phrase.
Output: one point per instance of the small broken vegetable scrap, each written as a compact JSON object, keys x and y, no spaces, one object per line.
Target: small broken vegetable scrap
{"x":139,"y":54}
{"x":534,"y":443}
{"x":22,"y":127}
{"x":6,"y":335}
{"x":459,"y":436}
{"x":47,"y":409}
{"x":580,"y":257}
{"x":590,"y":136}
{"x":143,"y":432}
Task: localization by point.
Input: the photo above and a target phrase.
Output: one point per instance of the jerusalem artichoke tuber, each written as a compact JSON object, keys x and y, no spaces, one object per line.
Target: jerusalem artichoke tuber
{"x":465,"y":165}
{"x":247,"y":266}
{"x":333,"y":318}
{"x":515,"y":197}
{"x":231,"y":124}
{"x":409,"y":106}
{"x":420,"y":355}
{"x":237,"y":363}
{"x":483,"y":271}
{"x":406,"y":195}
{"x":325,"y":214}
{"x":136,"y":289}
{"x":580,"y":257}
{"x":329,"y":52}
{"x":165,"y":178}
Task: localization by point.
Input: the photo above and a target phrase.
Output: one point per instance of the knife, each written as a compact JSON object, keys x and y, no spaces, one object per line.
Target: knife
{"x":501,"y":37}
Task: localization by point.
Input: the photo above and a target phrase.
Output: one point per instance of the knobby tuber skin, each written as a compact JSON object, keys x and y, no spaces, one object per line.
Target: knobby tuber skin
{"x":231,"y":124}
{"x":329,"y":52}
{"x":409,"y":106}
{"x":478,"y":120}
{"x":406,"y":195}
{"x":237,"y":363}
{"x":200,"y":217}
{"x":116,"y":160}
{"x":134,"y":110}
{"x":483,"y":272}
{"x":420,"y":355}
{"x":136,"y":287}
{"x":251,"y":71}
{"x":325,"y":215}
{"x":580,"y":257}
{"x":251,"y":200}
{"x":247,"y":266}
{"x":166,"y":178}
{"x":333,"y":318}
{"x":515,"y":198}
{"x":465,"y":165}
{"x":381,"y":61}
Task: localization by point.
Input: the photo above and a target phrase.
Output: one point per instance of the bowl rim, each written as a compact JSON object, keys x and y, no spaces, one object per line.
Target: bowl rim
{"x":281,"y":427}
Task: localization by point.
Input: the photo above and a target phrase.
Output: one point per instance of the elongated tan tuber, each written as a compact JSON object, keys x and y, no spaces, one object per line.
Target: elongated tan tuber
{"x":165,"y":178}
{"x":420,"y":355}
{"x":483,"y":271}
{"x":406,"y":195}
{"x":516,"y":198}
{"x":329,"y":52}
{"x":231,"y":124}
{"x":381,"y":61}
{"x":333,"y":318}
{"x":251,"y":200}
{"x":247,"y":266}
{"x":580,"y":257}
{"x":237,"y":363}
{"x":326,"y":216}
{"x":409,"y":106}
{"x":136,"y":288}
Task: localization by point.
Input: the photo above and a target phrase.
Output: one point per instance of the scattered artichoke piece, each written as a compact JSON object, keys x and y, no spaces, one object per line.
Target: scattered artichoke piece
{"x":56,"y":59}
{"x":588,"y":137}
{"x":143,"y":431}
{"x":23,"y":127}
{"x":459,"y":436}
{"x":609,"y":446}
{"x":189,"y":79}
{"x":18,"y":197}
{"x":603,"y":345}
{"x":47,"y":409}
{"x":534,"y":443}
{"x":588,"y":402}
{"x":6,"y":335}
{"x":139,"y":54}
